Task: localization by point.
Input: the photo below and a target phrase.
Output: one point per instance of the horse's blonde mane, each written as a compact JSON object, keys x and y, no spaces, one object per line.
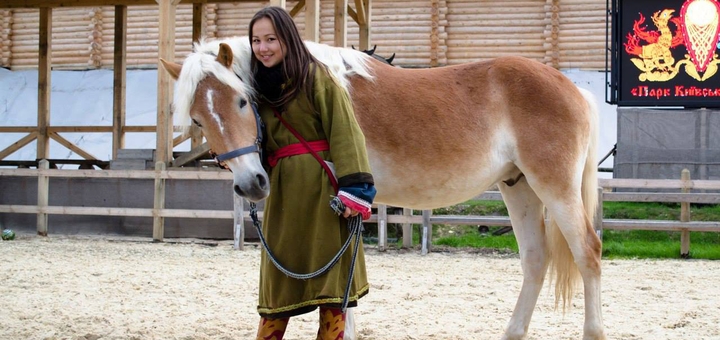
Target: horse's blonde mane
{"x":341,"y":62}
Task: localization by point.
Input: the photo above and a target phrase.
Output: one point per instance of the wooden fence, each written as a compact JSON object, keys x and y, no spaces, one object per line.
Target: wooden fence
{"x":684,"y":196}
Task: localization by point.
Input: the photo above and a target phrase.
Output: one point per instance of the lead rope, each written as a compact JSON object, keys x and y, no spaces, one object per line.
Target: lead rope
{"x":355,"y":228}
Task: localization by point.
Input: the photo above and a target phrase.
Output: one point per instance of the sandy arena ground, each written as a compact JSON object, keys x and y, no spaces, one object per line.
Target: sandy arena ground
{"x":86,"y":288}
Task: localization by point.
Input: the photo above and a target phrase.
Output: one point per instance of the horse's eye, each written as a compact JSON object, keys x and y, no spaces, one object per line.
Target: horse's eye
{"x":196,"y":123}
{"x":243,"y":102}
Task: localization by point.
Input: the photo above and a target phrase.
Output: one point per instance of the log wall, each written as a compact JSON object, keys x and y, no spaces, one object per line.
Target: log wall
{"x":422,"y":33}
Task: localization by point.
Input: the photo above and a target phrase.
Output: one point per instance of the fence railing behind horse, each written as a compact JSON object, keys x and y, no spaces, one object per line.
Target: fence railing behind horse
{"x":382,"y":218}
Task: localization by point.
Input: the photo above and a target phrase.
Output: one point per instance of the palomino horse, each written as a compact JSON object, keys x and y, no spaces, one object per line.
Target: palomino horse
{"x":440,"y":136}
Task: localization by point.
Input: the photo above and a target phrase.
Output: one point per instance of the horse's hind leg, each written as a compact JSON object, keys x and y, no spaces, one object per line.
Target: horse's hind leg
{"x":576,"y":228}
{"x":526,"y":215}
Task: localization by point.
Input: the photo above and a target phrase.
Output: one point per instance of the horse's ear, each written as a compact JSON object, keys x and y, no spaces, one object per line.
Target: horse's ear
{"x":172,"y":68}
{"x":390,"y":60}
{"x":225,"y":55}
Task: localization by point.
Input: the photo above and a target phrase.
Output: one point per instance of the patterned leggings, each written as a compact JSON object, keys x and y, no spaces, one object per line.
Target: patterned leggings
{"x":332,"y":326}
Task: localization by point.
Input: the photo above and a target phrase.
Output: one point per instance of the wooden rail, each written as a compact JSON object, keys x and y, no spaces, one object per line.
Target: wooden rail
{"x":382,"y":218}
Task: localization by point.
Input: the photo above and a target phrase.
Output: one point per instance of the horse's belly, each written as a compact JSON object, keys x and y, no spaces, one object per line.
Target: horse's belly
{"x":432,"y":186}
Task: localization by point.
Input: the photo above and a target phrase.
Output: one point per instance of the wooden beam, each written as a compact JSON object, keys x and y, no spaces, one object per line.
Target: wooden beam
{"x":199,"y":25}
{"x":279,"y":3}
{"x":159,"y":204}
{"x":166,"y":50}
{"x":179,"y":139}
{"x":312,"y":20}
{"x":361,"y":14}
{"x":119,"y":79}
{"x":43,"y":198}
{"x":44,"y":82}
{"x":17,"y":129}
{"x":18,"y":145}
{"x":194,"y":154}
{"x":364,"y":29}
{"x":341,"y":23}
{"x":70,"y":145}
{"x":298,"y":6}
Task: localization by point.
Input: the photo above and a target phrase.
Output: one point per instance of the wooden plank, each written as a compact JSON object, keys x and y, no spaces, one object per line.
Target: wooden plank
{"x":340,"y":30}
{"x":361,"y":13}
{"x":407,"y":229}
{"x":296,"y":9}
{"x":70,"y":145}
{"x":708,"y":198}
{"x":199,"y":21}
{"x":364,"y":38}
{"x":192,"y":155}
{"x":312,"y":20}
{"x":166,"y":51}
{"x":685,"y":217}
{"x":382,"y":227}
{"x":44,"y":82}
{"x":158,"y":204}
{"x":43,"y":195}
{"x":426,"y":236}
{"x":115,"y":211}
{"x":660,"y":225}
{"x":17,"y":129}
{"x":598,"y":220}
{"x":238,"y":223}
{"x":18,"y":145}
{"x":119,"y":79}
{"x":130,"y":174}
{"x":629,"y":183}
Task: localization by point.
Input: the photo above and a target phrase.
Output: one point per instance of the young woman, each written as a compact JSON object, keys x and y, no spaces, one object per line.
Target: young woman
{"x":300,"y":228}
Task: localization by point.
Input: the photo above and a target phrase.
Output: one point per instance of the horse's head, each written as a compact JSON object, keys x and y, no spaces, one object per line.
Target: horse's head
{"x":211,"y":96}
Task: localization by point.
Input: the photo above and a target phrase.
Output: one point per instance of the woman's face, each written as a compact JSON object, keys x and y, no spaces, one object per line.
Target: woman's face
{"x":265,"y":44}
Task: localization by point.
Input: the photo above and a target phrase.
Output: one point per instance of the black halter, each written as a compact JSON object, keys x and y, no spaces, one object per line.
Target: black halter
{"x":257,"y":147}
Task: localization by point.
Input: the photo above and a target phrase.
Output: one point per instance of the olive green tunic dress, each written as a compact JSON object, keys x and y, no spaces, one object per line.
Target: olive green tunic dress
{"x":300,"y":227}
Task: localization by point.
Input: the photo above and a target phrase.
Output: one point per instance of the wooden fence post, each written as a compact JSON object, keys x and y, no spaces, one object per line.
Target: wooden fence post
{"x":238,"y":222}
{"x":426,"y":232}
{"x":599,"y":214}
{"x":382,"y":226}
{"x":43,"y":198}
{"x":407,"y":229}
{"x":685,"y":216}
{"x":159,"y":204}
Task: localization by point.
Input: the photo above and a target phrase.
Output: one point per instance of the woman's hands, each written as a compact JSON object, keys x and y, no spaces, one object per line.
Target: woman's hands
{"x":350,"y":212}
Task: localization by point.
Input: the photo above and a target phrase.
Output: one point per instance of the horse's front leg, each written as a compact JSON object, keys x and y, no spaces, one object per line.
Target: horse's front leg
{"x":526,"y":216}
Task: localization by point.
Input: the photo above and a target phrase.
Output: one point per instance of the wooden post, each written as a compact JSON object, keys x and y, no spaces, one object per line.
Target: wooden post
{"x":119,"y":79}
{"x":363,"y":7}
{"x":426,"y":232}
{"x":685,"y":216}
{"x":407,"y":229}
{"x":312,"y":20}
{"x":44,"y":83}
{"x":199,"y":22}
{"x":159,"y":203}
{"x":166,"y":50}
{"x":43,"y":198}
{"x":382,"y":226}
{"x":598,"y":222}
{"x":238,"y":222}
{"x":341,"y":23}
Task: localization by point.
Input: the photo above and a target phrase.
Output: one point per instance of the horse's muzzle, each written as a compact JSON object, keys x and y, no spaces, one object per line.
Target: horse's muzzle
{"x":254,"y":190}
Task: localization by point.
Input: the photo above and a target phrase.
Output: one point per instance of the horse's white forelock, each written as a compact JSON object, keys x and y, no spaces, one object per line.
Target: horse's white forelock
{"x":341,"y":62}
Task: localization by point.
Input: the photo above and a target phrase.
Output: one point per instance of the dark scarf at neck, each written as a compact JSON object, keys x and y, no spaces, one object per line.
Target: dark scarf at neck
{"x":270,"y":82}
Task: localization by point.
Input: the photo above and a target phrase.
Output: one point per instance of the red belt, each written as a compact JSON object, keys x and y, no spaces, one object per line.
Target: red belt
{"x":297,"y":149}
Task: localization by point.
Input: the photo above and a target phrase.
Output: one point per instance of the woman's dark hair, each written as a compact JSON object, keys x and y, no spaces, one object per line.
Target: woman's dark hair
{"x":298,"y":60}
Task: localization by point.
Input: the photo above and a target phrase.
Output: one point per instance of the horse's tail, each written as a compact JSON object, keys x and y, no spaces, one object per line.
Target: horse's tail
{"x":562,"y":262}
